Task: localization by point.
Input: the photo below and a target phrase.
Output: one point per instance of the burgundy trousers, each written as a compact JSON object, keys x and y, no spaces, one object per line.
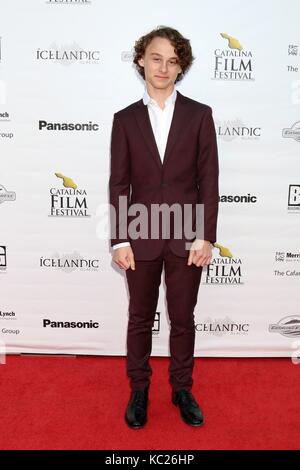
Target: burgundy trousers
{"x":182,"y":285}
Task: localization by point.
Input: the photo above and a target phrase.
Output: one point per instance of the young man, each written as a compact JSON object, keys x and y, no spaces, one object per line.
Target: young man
{"x":163,"y":151}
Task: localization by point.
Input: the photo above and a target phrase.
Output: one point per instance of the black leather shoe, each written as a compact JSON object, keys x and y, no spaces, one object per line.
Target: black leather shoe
{"x":189,"y":408}
{"x":136,"y":411}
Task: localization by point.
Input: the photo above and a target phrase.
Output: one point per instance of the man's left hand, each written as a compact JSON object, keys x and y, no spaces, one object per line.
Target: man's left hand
{"x":200,"y":253}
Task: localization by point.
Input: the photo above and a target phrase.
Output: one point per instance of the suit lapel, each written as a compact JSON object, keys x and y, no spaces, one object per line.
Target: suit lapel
{"x":179,"y":121}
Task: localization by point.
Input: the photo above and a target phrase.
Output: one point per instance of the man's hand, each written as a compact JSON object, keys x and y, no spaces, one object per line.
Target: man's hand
{"x":200,"y":253}
{"x":124,"y":257}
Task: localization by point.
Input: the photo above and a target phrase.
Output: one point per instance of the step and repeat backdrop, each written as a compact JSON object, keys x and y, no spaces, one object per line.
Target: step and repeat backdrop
{"x":65,"y":69}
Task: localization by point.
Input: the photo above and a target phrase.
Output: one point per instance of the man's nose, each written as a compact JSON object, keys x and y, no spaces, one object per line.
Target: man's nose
{"x":163,"y":66}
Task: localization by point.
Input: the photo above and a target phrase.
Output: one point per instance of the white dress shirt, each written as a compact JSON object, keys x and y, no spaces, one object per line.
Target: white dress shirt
{"x":160,"y":122}
{"x":160,"y":119}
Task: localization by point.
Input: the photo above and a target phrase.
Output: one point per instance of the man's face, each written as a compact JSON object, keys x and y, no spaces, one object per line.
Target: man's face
{"x":160,"y":62}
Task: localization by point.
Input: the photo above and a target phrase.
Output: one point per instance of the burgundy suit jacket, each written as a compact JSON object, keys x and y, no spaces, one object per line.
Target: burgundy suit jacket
{"x":187,"y":175}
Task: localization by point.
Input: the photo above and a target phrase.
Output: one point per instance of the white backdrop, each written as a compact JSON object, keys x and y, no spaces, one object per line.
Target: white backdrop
{"x":70,"y":62}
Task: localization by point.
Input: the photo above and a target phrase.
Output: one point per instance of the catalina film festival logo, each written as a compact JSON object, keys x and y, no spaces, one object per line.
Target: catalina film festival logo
{"x":69,"y":201}
{"x":224,"y":269}
{"x":234,"y":62}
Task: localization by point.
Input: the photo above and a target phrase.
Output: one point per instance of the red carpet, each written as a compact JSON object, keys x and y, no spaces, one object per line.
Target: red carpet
{"x":78,"y":403}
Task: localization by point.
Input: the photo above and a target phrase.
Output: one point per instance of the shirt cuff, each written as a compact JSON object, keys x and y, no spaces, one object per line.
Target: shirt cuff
{"x":120,"y":245}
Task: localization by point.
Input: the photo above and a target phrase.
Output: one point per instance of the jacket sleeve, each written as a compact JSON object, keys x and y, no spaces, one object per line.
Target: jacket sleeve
{"x":208,"y":175}
{"x":119,"y":184}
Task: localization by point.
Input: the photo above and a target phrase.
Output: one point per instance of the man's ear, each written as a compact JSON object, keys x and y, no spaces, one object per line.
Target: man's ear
{"x":141,"y":62}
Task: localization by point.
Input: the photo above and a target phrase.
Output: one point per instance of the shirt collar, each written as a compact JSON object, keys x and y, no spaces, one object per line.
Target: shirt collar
{"x":148,"y":100}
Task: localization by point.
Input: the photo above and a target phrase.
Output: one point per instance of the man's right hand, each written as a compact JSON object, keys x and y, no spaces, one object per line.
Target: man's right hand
{"x":124,"y":257}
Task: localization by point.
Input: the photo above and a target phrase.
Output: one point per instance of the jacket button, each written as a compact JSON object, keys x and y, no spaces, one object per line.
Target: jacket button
{"x":164,"y":185}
